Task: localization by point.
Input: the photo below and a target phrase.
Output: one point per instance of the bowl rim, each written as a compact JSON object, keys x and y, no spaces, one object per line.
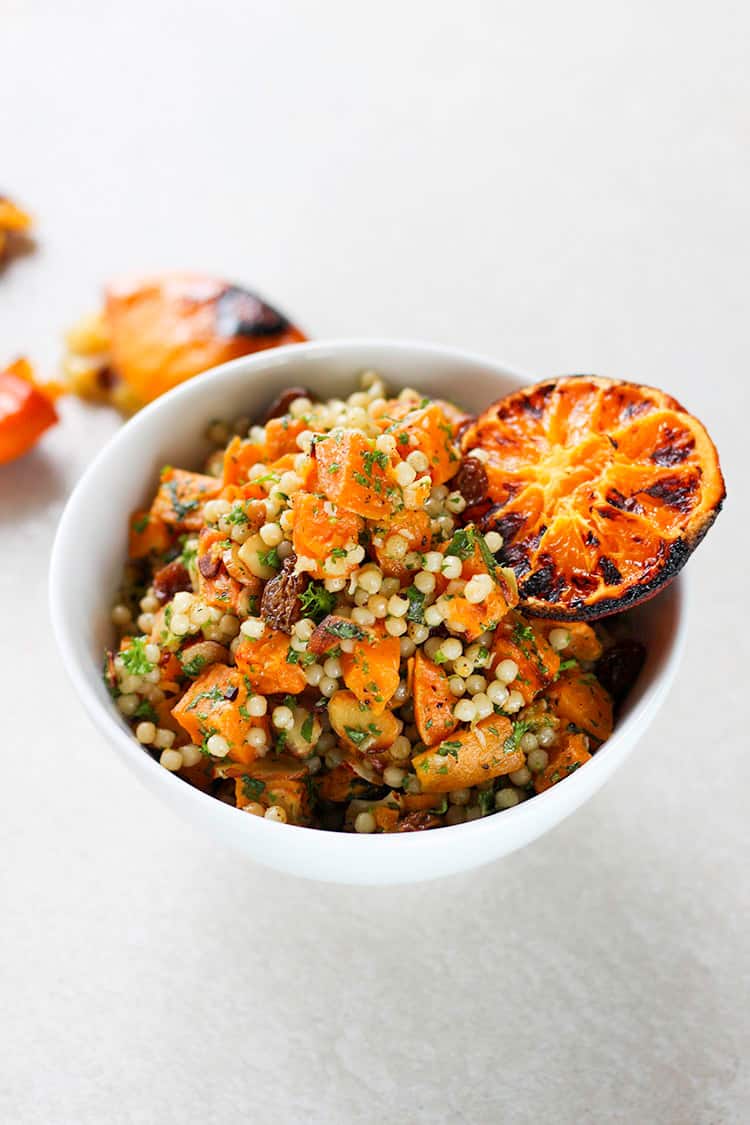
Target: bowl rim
{"x":560,"y":797}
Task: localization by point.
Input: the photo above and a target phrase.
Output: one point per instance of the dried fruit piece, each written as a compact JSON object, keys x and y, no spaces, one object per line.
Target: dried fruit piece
{"x":601,"y":490}
{"x":471,"y":481}
{"x":280,"y":605}
{"x":280,"y":405}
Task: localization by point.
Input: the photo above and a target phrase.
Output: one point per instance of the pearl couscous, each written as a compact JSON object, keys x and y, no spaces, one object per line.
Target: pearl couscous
{"x":316,"y":630}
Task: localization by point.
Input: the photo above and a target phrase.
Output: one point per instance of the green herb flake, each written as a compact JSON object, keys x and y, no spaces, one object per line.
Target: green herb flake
{"x":134,"y":658}
{"x":317,"y":602}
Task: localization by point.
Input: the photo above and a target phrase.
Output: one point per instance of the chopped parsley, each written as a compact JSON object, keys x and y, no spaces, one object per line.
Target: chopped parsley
{"x":345,"y":629}
{"x":513,"y":740}
{"x":145,"y":710}
{"x":270,"y":558}
{"x":140,"y":525}
{"x":355,"y":735}
{"x":306,"y":730}
{"x":193,"y":667}
{"x":446,"y":748}
{"x":134,"y":658}
{"x":338,"y":553}
{"x":415,"y":612}
{"x":180,"y":507}
{"x":317,"y":602}
{"x":252,"y":787}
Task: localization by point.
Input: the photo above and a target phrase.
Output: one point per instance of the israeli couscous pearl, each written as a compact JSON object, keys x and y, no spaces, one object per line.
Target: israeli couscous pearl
{"x":393,"y":776}
{"x":478,"y":588}
{"x":506,"y":799}
{"x":275,"y":812}
{"x":559,"y":639}
{"x":254,"y":627}
{"x":465,"y":711}
{"x":506,"y":671}
{"x":395,"y":626}
{"x":254,"y":808}
{"x":328,"y":686}
{"x":494,"y":541}
{"x":217,"y":745}
{"x":424,"y":582}
{"x":433,"y":562}
{"x":120,"y":615}
{"x":257,"y":738}
{"x":400,"y":748}
{"x":283,"y":718}
{"x":546,"y":736}
{"x":537,"y":760}
{"x":528,"y":742}
{"x":171,"y":759}
{"x":456,"y":814}
{"x":514,"y":702}
{"x":271,"y":534}
{"x":433,"y":616}
{"x":365,"y":822}
{"x":497,"y":693}
{"x":452,"y":566}
{"x":257,"y":705}
{"x":463,"y":666}
{"x":127,"y":704}
{"x":145,"y":732}
{"x":180,"y":624}
{"x":482,"y":705}
{"x":521,"y":777}
{"x":163,"y":738}
{"x":191,"y":755}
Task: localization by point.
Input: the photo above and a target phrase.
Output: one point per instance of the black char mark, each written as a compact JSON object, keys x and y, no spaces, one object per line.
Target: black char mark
{"x":609,"y":571}
{"x":676,"y":492}
{"x":241,"y":313}
{"x":624,"y":503}
{"x":676,"y":447}
{"x":545,"y":583}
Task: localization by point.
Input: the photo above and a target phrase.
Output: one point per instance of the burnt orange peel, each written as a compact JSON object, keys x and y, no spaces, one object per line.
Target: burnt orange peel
{"x":601,"y":489}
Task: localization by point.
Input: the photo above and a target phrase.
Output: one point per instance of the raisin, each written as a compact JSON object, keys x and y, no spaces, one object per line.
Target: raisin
{"x":280,"y":605}
{"x":209,"y":565}
{"x":471,"y":481}
{"x":280,"y":405}
{"x":170,"y":579}
{"x":618,"y":668}
{"x":418,"y":822}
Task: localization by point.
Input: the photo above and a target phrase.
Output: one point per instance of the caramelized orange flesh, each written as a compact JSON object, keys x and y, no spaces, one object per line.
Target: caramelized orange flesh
{"x":601,"y":490}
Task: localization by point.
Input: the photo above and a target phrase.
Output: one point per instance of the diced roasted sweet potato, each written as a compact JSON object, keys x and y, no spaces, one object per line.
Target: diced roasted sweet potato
{"x":181,"y":496}
{"x":281,"y":437}
{"x":360,"y":728}
{"x":371,"y":670}
{"x":584,"y":643}
{"x":216,"y":587}
{"x":433,"y":700}
{"x":526,"y":642}
{"x":429,"y":430}
{"x":355,"y":475}
{"x":473,"y":618}
{"x":323,"y":533}
{"x":469,"y":757}
{"x":572,"y":753}
{"x":215,"y":704}
{"x":580,"y":699}
{"x":239,"y":458}
{"x":332,"y":630}
{"x":269,"y":663}
{"x":414,"y":527}
{"x":147,"y":533}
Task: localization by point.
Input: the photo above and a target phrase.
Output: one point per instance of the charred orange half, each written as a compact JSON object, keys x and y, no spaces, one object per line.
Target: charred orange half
{"x":601,"y":490}
{"x":167,"y":329}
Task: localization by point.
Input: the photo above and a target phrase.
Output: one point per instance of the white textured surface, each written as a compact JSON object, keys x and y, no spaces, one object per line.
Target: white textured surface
{"x":563,"y":186}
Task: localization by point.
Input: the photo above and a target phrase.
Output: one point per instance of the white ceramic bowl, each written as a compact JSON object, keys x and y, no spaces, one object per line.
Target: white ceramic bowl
{"x":86,"y":566}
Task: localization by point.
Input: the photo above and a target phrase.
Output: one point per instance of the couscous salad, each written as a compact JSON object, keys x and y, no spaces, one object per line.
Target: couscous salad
{"x":340,"y":622}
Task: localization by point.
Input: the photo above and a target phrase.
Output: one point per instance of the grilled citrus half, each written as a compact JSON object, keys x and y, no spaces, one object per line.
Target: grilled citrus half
{"x":601,"y":490}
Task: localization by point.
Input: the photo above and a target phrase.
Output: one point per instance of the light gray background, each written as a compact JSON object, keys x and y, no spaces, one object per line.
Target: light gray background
{"x":562,"y":186}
